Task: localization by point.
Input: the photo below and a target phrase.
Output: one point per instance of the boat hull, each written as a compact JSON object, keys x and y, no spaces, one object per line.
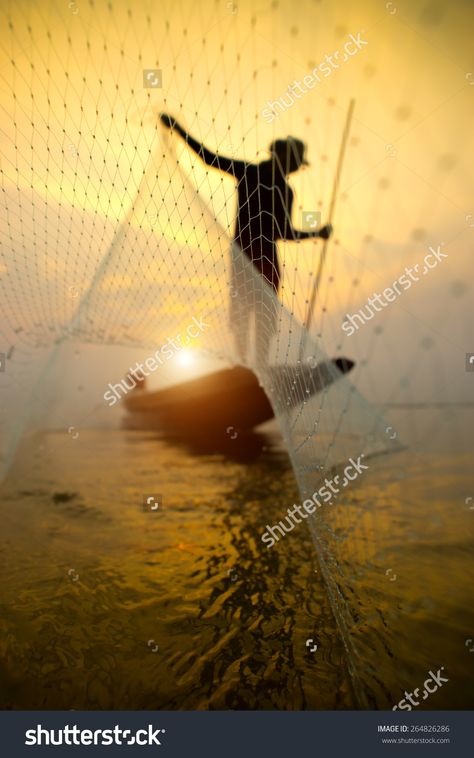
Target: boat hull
{"x":227,"y":401}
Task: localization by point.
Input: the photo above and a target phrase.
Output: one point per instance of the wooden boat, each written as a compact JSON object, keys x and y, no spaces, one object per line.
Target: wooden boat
{"x":227,"y":401}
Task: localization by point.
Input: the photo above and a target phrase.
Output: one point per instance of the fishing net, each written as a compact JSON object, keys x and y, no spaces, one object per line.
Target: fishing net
{"x":115,"y":235}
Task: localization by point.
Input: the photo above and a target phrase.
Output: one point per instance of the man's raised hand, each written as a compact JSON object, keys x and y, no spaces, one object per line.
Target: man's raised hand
{"x":167,"y":120}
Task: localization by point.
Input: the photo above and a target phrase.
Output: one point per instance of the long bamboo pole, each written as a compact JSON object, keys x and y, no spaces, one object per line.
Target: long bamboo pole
{"x":322,"y":259}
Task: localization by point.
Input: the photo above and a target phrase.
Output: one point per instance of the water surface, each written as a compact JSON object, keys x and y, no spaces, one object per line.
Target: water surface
{"x":107,"y":605}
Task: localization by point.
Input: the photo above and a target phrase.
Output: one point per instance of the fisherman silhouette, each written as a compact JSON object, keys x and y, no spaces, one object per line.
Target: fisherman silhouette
{"x":265,"y":202}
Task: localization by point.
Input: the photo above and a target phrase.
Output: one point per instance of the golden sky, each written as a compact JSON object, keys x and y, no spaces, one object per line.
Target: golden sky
{"x":79,"y":133}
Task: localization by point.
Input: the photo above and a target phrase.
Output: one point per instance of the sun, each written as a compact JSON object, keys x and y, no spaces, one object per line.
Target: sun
{"x":186,"y":358}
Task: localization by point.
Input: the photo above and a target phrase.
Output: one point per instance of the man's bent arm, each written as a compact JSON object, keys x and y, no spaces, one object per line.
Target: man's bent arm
{"x":292,"y":234}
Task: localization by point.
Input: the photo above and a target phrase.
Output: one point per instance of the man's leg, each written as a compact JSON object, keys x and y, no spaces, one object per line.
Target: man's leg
{"x":240,"y":302}
{"x":240,"y":322}
{"x":266,"y":318}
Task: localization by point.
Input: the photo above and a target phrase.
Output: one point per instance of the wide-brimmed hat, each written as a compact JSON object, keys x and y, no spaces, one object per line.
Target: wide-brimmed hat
{"x":290,"y":145}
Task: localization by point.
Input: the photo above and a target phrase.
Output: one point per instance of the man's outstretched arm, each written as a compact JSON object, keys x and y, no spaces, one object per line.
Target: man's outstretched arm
{"x":236,"y":168}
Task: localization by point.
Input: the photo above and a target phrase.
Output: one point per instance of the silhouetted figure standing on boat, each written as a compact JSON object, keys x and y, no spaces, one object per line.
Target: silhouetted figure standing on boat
{"x":265,"y":202}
